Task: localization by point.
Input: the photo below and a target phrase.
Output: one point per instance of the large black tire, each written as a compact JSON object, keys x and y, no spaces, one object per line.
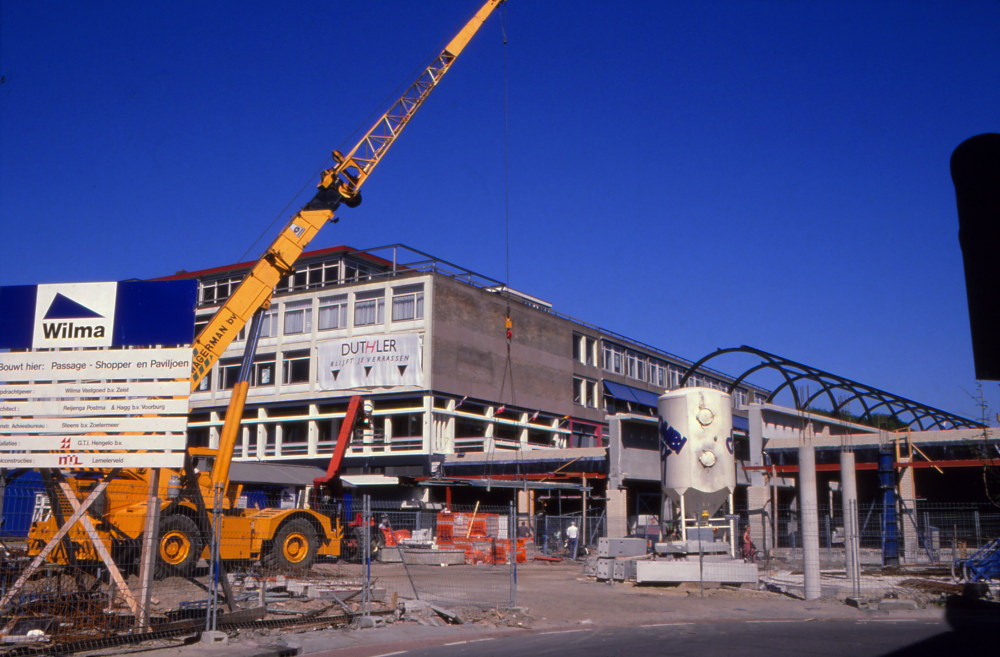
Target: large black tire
{"x":179,"y":547}
{"x":359,"y":541}
{"x":294,"y":547}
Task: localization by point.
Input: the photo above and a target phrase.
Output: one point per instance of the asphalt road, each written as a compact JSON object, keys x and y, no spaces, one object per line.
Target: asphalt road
{"x":737,"y":639}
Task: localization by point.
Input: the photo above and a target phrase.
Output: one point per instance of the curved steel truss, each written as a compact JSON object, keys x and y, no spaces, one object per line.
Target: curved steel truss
{"x":872,"y":400}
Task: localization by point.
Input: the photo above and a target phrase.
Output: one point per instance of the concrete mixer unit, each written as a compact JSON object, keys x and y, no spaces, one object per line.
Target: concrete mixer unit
{"x":698,"y":471}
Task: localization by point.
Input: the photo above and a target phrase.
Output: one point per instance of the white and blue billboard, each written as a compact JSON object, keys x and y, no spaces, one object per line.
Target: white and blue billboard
{"x":122,"y":314}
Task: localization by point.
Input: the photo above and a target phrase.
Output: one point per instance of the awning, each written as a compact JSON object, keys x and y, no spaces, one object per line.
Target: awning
{"x":273,"y":474}
{"x":740,"y":423}
{"x":369,"y":480}
{"x":630,"y":394}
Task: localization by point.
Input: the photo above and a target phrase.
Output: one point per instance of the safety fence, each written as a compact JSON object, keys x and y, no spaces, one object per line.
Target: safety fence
{"x":915,"y":550}
{"x":85,"y":564}
{"x":552,"y":534}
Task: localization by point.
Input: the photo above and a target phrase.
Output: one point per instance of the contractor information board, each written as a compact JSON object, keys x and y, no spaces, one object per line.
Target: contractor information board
{"x":100,"y":420}
{"x":74,"y":395}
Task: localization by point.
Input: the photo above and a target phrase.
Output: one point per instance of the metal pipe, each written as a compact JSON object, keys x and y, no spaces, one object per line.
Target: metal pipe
{"x":809,"y":513}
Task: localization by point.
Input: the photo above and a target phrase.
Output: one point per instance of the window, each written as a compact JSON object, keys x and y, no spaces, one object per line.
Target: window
{"x":298,"y":317}
{"x":369,"y":310}
{"x":295,"y":367}
{"x":219,"y":290}
{"x":739,"y":399}
{"x":356,"y":271}
{"x":613,"y":358}
{"x":630,"y":358}
{"x":269,"y":323}
{"x":263,"y":370}
{"x":206,"y":383}
{"x":229,"y":371}
{"x":408,"y":303}
{"x":675,"y":378}
{"x":592,"y":394}
{"x":578,"y":341}
{"x":333,"y":312}
{"x":578,"y":391}
{"x":591,"y":345}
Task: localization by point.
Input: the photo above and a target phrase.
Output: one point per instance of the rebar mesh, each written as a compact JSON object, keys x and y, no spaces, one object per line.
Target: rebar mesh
{"x":305,"y":563}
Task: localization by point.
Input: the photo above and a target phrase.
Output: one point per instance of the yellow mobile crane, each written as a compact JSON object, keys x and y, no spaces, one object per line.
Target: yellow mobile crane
{"x":289,"y":538}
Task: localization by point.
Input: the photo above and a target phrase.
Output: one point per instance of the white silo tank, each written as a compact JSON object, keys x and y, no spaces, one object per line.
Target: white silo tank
{"x":696,"y":448}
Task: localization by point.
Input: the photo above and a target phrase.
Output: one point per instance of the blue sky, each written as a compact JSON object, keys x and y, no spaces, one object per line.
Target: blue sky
{"x":692,"y":175}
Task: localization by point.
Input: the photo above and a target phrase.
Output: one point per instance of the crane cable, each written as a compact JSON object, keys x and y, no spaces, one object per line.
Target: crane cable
{"x":350,"y":138}
{"x":508,"y":324}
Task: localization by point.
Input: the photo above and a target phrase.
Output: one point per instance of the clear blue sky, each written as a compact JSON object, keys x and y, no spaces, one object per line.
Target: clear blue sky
{"x":691,"y":174}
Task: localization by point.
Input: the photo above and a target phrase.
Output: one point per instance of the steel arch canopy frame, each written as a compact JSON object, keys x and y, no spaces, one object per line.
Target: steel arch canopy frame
{"x":869,"y":397}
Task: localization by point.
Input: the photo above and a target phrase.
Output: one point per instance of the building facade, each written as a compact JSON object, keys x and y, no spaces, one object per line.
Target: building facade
{"x":425,"y":342}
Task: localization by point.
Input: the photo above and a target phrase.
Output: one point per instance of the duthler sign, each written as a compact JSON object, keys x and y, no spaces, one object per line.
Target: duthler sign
{"x":378,"y":361}
{"x":84,"y":402}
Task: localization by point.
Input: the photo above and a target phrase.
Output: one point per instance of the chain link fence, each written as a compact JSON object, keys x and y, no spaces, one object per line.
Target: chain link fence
{"x":84,"y":578}
{"x":920,"y":552}
{"x":553,"y":534}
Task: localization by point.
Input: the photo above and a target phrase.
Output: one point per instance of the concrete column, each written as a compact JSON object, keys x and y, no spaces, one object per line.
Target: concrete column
{"x":449,"y":443}
{"x":313,"y":436}
{"x":759,"y":507}
{"x":809,"y":512}
{"x":849,"y":501}
{"x":617,"y":507}
{"x":428,"y":415}
{"x":213,"y":432}
{"x":907,"y":519}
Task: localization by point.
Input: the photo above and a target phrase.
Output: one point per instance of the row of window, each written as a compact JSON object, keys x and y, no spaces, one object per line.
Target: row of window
{"x":306,"y":277}
{"x":369,"y":310}
{"x":295,"y":368}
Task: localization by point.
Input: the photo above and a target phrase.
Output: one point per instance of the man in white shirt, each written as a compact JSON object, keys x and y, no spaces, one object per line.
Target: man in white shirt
{"x":571,"y":534}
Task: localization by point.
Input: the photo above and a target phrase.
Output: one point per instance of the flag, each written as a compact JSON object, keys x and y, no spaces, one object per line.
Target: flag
{"x":460,"y":402}
{"x":500,"y":410}
{"x":535,"y":416}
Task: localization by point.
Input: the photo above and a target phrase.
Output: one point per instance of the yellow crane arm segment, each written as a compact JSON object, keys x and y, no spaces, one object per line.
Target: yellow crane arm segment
{"x":341,"y":184}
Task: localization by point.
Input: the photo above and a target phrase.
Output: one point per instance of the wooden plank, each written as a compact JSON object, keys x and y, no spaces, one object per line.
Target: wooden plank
{"x":102,"y":550}
{"x":78,"y":511}
{"x":147,"y":558}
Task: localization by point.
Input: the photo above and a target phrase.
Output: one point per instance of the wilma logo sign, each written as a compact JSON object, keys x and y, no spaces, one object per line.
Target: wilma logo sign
{"x":75,"y":315}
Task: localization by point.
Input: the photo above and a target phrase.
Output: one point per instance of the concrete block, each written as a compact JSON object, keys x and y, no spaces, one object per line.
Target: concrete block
{"x":605,"y":568}
{"x":213,"y":638}
{"x":897,"y":605}
{"x":414,"y":606}
{"x":731,"y":572}
{"x":621,"y":547}
{"x":370,"y":622}
{"x":416,"y":557}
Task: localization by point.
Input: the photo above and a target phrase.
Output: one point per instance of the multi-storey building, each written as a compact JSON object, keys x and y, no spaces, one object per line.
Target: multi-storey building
{"x":425,"y":342}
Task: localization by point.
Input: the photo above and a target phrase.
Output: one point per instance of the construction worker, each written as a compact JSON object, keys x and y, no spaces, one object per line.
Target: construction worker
{"x":571,"y":534}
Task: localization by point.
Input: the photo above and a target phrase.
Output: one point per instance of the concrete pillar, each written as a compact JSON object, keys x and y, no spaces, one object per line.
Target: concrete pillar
{"x":809,"y":512}
{"x":617,"y":508}
{"x":313,"y":435}
{"x":759,"y":508}
{"x":849,"y":502}
{"x":907,"y":517}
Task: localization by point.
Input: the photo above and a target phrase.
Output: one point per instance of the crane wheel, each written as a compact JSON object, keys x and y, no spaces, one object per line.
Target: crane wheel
{"x":179,"y":547}
{"x":294,"y":546}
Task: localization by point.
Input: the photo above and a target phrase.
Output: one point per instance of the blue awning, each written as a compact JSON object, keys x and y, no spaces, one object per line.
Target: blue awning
{"x":630,"y":394}
{"x":740,"y":423}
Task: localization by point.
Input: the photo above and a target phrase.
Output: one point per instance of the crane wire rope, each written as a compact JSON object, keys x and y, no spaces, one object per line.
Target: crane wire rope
{"x":392,"y":95}
{"x":508,"y":325}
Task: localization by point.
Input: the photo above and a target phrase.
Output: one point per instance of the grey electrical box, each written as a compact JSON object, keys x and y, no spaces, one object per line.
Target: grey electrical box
{"x":621,"y":547}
